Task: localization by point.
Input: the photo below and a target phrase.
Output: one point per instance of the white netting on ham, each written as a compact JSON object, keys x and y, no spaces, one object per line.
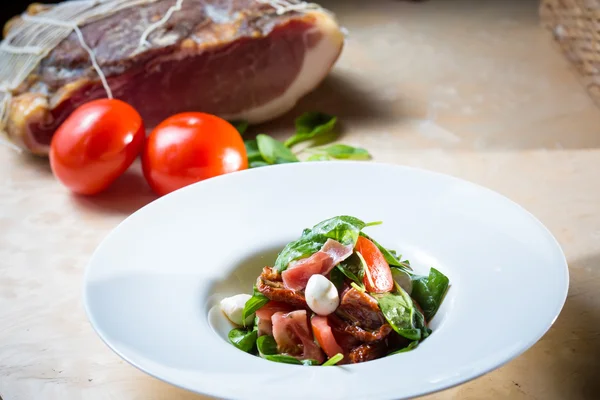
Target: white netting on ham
{"x":32,"y":37}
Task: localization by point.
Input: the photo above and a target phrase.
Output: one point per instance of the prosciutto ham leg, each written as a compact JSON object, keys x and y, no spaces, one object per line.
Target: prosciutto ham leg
{"x":239,"y":59}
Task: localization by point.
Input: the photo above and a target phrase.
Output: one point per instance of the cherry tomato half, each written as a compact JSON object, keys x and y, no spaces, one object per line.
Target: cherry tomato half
{"x":378,"y":275}
{"x":190,"y":147}
{"x":96,"y":144}
{"x":324,"y":335}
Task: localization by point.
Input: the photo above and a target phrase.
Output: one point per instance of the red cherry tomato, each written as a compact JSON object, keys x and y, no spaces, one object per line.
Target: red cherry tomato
{"x":378,"y":275}
{"x":324,"y":336}
{"x":190,"y":147}
{"x":95,"y":145}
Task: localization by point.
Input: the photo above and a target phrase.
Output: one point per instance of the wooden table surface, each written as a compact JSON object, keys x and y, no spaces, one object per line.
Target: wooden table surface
{"x":474,"y":89}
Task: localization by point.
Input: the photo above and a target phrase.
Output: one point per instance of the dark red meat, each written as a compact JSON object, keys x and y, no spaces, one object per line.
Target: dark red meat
{"x":234,"y":58}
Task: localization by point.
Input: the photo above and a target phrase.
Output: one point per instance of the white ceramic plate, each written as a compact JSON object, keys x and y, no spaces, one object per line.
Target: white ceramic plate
{"x":151,"y":285}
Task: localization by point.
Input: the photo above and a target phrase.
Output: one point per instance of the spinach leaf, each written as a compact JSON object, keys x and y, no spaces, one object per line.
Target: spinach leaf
{"x":266,"y":345}
{"x":409,"y":347}
{"x":402,"y":278}
{"x":267,"y":349}
{"x":319,"y":157}
{"x":301,"y":248}
{"x":398,"y":310}
{"x":252,"y":152}
{"x":336,"y":276}
{"x":254,"y":303}
{"x":273,"y":151}
{"x":353,"y":268}
{"x":333,"y":360}
{"x":345,"y":229}
{"x":345,"y":152}
{"x":241,"y":126}
{"x":429,"y":291}
{"x":311,"y":125}
{"x":258,"y":164}
{"x":390,"y":256}
{"x":243,"y":339}
{"x":419,"y":321}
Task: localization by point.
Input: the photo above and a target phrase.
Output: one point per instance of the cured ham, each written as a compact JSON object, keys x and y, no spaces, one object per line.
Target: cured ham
{"x":298,"y":273}
{"x":239,"y":59}
{"x":270,"y":284}
{"x":264,"y":314}
{"x":293,"y":336}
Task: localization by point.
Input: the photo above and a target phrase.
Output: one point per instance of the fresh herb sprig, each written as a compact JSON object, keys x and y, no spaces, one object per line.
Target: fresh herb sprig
{"x":314,"y":127}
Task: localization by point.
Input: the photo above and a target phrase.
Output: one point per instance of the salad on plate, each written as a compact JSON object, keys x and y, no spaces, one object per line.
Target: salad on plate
{"x":335,"y":296}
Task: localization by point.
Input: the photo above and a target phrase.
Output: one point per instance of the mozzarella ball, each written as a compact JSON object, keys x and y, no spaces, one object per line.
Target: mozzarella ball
{"x":233,"y":307}
{"x":321,"y":295}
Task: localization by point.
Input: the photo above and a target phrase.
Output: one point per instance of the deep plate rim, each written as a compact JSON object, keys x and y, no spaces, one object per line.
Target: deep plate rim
{"x":436,"y":387}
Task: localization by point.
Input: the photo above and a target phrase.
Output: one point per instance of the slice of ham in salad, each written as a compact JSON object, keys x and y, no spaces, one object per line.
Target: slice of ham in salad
{"x":293,"y":336}
{"x":298,"y":273}
{"x":271,"y":285}
{"x":264,"y":314}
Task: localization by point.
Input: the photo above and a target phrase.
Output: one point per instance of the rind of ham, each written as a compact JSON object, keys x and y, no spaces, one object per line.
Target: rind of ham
{"x":298,"y":273}
{"x":264,"y":314}
{"x":293,"y":336}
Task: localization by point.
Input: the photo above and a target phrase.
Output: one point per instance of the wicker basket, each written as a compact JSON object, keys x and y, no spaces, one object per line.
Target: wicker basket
{"x":575,"y":25}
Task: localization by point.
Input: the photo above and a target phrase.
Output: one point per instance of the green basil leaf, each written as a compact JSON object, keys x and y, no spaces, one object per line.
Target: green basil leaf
{"x":243,"y":339}
{"x":273,"y":151}
{"x":345,"y":152}
{"x":254,"y":303}
{"x":345,"y":229}
{"x":334,"y":360}
{"x":311,"y":125}
{"x":412,"y":345}
{"x":267,"y":349}
{"x":429,"y":291}
{"x":398,"y":310}
{"x":390,"y":256}
{"x":241,"y":126}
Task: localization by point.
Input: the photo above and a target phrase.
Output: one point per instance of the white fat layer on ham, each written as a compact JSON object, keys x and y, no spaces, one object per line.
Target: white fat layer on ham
{"x":317,"y":63}
{"x":337,"y":251}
